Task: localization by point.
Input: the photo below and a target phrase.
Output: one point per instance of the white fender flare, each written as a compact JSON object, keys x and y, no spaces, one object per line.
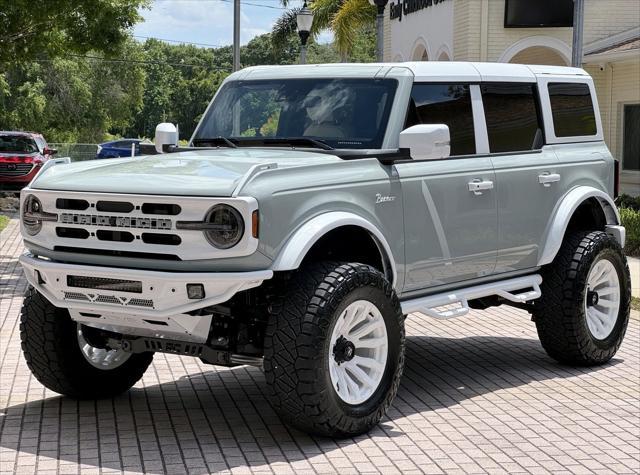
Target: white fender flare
{"x":297,"y":247}
{"x":563,"y":213}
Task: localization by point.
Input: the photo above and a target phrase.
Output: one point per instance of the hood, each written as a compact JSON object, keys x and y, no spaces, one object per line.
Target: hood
{"x":193,"y":173}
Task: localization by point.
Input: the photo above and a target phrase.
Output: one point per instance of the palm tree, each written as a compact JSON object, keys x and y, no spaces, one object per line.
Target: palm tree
{"x":346,"y":18}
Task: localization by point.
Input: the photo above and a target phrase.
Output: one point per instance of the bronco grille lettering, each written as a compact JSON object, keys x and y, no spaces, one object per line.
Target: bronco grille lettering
{"x":115,"y":221}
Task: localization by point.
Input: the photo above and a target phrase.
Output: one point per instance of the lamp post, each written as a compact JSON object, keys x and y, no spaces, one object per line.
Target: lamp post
{"x":236,"y":35}
{"x":304,"y":20}
{"x":578,"y":27}
{"x":380,"y":5}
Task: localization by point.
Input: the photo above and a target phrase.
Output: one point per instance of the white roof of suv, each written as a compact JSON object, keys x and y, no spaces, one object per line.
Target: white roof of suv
{"x":422,"y":71}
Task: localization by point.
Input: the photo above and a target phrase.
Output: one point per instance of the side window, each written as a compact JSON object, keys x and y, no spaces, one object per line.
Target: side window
{"x":513,"y":120}
{"x":448,"y":104}
{"x":631,"y":138}
{"x":572,"y":109}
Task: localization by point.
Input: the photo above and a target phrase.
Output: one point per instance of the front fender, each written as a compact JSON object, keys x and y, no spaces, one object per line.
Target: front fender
{"x":564,"y":211}
{"x":297,"y":247}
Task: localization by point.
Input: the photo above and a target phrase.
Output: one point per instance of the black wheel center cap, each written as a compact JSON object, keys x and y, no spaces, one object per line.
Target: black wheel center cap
{"x":343,"y":350}
{"x":592,"y":298}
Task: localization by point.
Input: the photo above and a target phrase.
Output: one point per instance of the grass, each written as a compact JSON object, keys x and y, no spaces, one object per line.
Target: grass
{"x":635,"y":303}
{"x":4,"y":220}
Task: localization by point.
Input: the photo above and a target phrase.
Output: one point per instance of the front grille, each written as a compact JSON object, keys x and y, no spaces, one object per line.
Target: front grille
{"x":101,"y":283}
{"x":109,"y":299}
{"x":114,"y":206}
{"x":141,"y":302}
{"x":76,"y":296}
{"x":15,"y":169}
{"x":72,"y":233}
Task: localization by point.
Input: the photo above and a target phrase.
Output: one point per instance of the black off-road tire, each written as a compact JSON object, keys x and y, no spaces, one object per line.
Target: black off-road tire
{"x":559,"y":314}
{"x":296,"y":356}
{"x":51,"y":349}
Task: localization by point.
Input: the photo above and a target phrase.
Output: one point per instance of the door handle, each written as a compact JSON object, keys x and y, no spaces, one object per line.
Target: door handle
{"x":547,"y":178}
{"x":477,"y":186}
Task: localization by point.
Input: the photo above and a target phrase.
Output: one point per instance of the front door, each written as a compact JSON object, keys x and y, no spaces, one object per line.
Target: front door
{"x":450,"y":217}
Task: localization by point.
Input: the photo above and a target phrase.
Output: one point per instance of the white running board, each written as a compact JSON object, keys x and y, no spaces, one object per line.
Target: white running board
{"x":504,"y":288}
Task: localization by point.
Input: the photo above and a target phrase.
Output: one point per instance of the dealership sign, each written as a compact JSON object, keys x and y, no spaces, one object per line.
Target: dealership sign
{"x":405,"y":7}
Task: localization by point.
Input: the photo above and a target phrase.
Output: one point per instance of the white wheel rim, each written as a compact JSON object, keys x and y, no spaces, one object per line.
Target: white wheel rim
{"x":358,"y":352}
{"x":602,"y":299}
{"x":101,"y":358}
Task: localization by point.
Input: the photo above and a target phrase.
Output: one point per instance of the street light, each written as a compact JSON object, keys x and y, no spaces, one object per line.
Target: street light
{"x":304,"y":19}
{"x":380,"y":5}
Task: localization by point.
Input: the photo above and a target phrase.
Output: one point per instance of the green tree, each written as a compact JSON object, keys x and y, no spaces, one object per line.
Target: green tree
{"x":34,"y":28}
{"x":349,"y":20}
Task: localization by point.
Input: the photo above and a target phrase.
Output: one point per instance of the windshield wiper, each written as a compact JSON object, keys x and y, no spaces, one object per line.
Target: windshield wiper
{"x":219,"y":139}
{"x":293,"y":141}
{"x":257,"y":141}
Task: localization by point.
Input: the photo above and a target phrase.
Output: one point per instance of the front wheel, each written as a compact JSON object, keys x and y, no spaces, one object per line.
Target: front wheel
{"x":62,"y":355}
{"x":334,"y":349}
{"x":584,"y":309}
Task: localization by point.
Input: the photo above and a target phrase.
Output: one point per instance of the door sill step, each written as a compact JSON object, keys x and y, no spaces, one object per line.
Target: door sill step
{"x":527,"y":288}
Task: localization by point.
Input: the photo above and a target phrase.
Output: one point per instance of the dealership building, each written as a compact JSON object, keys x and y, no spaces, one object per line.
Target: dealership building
{"x":535,"y":32}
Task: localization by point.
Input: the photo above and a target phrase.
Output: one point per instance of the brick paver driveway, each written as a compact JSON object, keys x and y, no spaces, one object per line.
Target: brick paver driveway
{"x":478,"y":395}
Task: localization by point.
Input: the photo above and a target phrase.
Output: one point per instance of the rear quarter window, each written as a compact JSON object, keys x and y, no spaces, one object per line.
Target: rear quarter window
{"x":572,"y":109}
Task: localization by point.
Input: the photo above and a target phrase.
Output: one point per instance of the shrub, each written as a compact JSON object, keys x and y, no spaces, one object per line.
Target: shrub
{"x":627,"y":201}
{"x":631,"y":221}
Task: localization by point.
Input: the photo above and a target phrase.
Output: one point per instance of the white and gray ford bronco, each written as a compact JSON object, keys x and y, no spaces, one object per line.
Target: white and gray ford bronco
{"x":313,"y":210}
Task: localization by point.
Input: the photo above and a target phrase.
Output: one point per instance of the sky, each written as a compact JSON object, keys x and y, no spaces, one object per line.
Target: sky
{"x":209,"y":22}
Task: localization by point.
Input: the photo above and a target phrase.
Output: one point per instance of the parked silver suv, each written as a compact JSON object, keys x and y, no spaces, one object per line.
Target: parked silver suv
{"x":315,"y":208}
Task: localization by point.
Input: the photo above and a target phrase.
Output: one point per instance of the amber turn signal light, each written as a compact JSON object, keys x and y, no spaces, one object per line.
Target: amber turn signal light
{"x":254,"y":224}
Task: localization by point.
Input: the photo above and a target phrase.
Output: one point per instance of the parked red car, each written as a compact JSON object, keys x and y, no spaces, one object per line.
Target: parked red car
{"x":21,"y":156}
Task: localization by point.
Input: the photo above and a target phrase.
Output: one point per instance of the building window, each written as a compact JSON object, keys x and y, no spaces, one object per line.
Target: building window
{"x":448,"y":104}
{"x":513,"y":121}
{"x":572,"y":109}
{"x":631,"y":137}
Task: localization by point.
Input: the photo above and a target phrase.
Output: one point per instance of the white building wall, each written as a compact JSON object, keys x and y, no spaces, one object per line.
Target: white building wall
{"x":431,"y":28}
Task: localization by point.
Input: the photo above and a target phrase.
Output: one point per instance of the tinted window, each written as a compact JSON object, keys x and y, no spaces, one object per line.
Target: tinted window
{"x":17,"y":144}
{"x":344,"y":113}
{"x":448,"y":104}
{"x":513,"y":122}
{"x":572,"y":109}
{"x":631,"y":139}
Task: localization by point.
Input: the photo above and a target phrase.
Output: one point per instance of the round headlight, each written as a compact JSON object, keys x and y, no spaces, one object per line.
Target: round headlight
{"x":226,"y":226}
{"x":31,"y":223}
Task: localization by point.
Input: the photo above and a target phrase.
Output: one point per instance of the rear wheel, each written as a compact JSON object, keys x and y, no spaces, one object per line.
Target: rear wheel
{"x":584,"y":309}
{"x":334,"y":349}
{"x":63,"y":356}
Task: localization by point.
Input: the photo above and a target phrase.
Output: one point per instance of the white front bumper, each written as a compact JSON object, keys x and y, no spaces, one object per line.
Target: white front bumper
{"x":158,"y":309}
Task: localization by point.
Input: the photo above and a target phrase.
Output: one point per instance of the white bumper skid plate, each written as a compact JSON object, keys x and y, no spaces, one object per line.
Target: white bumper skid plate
{"x":140,"y":301}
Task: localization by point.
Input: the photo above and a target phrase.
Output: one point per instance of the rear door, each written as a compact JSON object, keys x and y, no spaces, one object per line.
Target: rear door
{"x":527,"y":173}
{"x":450,"y":231}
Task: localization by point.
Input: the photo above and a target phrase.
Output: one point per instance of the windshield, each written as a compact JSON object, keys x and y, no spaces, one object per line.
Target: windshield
{"x":17,"y":144}
{"x":342,"y":113}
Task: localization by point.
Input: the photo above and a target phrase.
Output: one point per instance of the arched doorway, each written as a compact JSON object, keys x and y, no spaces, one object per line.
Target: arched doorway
{"x":420,"y":51}
{"x":539,"y":55}
{"x":538,"y":50}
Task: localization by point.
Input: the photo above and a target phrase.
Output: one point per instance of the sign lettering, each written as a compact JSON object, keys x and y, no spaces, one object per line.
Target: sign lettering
{"x":405,"y":7}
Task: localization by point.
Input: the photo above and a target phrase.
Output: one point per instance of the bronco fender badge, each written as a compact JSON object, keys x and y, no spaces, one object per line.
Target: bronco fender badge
{"x":384,"y":199}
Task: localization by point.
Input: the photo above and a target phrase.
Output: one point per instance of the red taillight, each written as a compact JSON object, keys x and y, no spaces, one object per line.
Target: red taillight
{"x":616,"y":178}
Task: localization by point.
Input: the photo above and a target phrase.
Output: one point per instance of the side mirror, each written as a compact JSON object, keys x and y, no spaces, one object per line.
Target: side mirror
{"x":426,"y":141}
{"x":49,"y":151}
{"x":166,"y":134}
